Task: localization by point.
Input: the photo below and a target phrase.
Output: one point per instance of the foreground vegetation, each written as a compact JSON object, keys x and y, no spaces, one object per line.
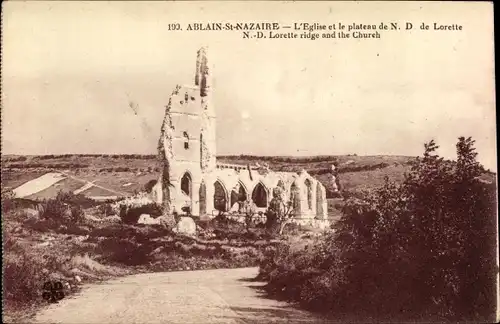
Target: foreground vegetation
{"x":74,"y":240}
{"x":424,"y":250}
{"x":421,"y":247}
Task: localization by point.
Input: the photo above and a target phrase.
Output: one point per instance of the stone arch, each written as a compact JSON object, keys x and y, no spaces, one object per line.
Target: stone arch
{"x":186,"y":186}
{"x":203,"y":198}
{"x":319,"y":200}
{"x":220,"y":196}
{"x":260,"y":195}
{"x":238,"y":195}
{"x":295,"y":198}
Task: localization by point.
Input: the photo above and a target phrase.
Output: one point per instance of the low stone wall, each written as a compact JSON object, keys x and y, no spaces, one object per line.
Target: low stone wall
{"x":302,"y":220}
{"x":313,"y":222}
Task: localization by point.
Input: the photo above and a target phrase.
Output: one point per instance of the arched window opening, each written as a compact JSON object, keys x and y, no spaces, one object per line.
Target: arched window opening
{"x":319,"y":200}
{"x":295,"y":198}
{"x":308,"y":184}
{"x":186,"y":184}
{"x":259,"y":196}
{"x":238,"y":195}
{"x":220,"y":197}
{"x":203,"y":199}
{"x":186,"y":140}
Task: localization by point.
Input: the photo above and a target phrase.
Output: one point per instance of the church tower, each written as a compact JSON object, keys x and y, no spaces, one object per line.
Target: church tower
{"x":187,"y":145}
{"x":208,"y":127}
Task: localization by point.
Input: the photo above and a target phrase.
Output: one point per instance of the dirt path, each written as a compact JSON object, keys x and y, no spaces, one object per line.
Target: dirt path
{"x":205,"y":297}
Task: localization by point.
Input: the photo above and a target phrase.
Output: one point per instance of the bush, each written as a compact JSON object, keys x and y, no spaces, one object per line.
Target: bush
{"x":21,"y":277}
{"x":62,"y":210}
{"x":424,"y":250}
{"x":148,"y":187}
{"x":16,"y":159}
{"x":106,"y":209}
{"x":24,"y":272}
{"x":131,"y":214}
{"x":124,"y":251}
{"x":122,"y":169}
{"x":76,"y":200}
{"x":8,"y":201}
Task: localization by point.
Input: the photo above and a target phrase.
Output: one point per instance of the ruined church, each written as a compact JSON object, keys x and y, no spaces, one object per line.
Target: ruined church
{"x":193,"y":180}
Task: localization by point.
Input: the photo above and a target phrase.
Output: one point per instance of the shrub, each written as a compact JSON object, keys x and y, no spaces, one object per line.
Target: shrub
{"x":21,"y":277}
{"x":148,"y":187}
{"x":280,"y":213}
{"x":130,"y":215}
{"x":24,"y":272}
{"x":8,"y":201}
{"x":424,"y":250}
{"x":106,"y":209}
{"x":16,"y":159}
{"x":131,"y":208}
{"x":74,"y":229}
{"x":124,"y":251}
{"x":75,"y":200}
{"x":62,"y":210}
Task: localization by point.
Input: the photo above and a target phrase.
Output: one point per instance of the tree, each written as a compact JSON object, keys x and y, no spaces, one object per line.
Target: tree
{"x":250,"y":210}
{"x":423,"y":250}
{"x":279,"y":211}
{"x":422,"y":244}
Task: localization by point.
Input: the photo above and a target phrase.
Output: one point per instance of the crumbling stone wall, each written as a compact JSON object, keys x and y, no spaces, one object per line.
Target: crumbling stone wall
{"x":192,"y":113}
{"x":207,"y":149}
{"x":166,"y":155}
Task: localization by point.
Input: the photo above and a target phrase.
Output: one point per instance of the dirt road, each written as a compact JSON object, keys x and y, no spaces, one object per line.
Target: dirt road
{"x":205,"y":297}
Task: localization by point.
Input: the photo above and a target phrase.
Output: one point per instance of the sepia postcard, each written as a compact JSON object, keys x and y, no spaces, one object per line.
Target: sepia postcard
{"x":203,"y":162}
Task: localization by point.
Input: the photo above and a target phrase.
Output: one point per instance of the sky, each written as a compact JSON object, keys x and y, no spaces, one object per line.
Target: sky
{"x":71,"y":69}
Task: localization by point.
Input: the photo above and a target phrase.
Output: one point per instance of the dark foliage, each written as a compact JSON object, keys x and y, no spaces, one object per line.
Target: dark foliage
{"x":25,"y":270}
{"x":15,"y":159}
{"x":9,"y":201}
{"x":148,"y":187}
{"x":64,"y":209}
{"x":421,"y":251}
{"x":106,"y":209}
{"x":58,"y":166}
{"x":131,"y":214}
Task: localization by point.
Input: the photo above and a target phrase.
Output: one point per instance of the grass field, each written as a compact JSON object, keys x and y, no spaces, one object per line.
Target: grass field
{"x":129,"y":173}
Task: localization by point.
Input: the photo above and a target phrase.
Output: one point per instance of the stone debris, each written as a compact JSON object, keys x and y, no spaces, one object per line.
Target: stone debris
{"x":186,"y":225}
{"x":112,"y":219}
{"x":147,"y":219}
{"x":31,"y":212}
